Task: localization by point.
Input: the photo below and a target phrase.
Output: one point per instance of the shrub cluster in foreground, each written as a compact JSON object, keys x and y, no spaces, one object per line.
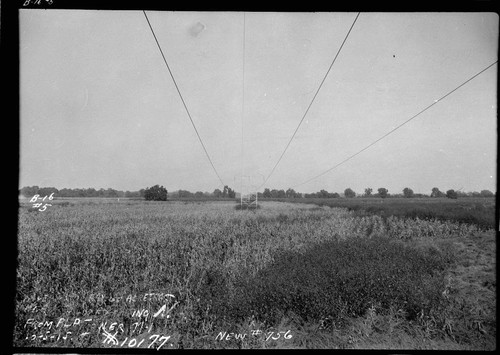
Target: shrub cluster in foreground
{"x":333,"y":281}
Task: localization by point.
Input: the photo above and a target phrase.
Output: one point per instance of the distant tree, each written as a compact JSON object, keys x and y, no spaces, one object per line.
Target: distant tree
{"x":91,"y":192}
{"x":198,"y":194}
{"x":487,"y":193}
{"x":407,"y":192}
{"x":29,"y":191}
{"x":108,"y":193}
{"x":436,"y":193}
{"x":185,"y":194}
{"x":46,"y":191}
{"x":155,"y":193}
{"x":349,"y":193}
{"x":217,"y":193}
{"x":420,"y":195}
{"x":368,"y":192}
{"x":132,"y":194}
{"x":322,"y":194}
{"x":383,"y":192}
{"x":64,"y":192}
{"x":451,"y":194}
{"x":228,"y":192}
{"x":290,"y":193}
{"x":266,"y":193}
{"x":332,"y":195}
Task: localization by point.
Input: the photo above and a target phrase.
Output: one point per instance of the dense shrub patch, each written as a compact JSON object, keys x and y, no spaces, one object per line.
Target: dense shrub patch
{"x":245,"y":206}
{"x":340,"y":279}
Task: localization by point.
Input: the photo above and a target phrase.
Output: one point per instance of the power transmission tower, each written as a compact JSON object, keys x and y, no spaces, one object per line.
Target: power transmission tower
{"x":248,"y":185}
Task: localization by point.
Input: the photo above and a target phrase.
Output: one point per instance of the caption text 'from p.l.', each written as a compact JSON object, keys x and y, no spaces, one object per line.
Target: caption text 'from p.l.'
{"x":147,"y":326}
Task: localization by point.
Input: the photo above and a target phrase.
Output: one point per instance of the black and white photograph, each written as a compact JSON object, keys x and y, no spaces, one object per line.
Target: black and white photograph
{"x":237,"y":179}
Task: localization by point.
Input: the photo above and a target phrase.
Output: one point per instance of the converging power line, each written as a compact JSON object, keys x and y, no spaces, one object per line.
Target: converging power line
{"x":396,"y":128}
{"x":243,"y":95}
{"x":182,"y":99}
{"x":310,"y":104}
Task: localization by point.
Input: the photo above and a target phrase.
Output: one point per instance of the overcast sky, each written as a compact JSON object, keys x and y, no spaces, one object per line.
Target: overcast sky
{"x":99,"y":108}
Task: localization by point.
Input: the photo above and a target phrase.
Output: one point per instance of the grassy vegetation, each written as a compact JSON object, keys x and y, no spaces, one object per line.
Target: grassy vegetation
{"x":331,"y":277}
{"x":244,"y":206}
{"x":478,"y":211}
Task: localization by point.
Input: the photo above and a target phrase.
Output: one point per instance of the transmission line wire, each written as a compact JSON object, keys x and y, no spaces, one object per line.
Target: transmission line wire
{"x":399,"y":126}
{"x":242,"y":103}
{"x":310,"y":104}
{"x":182,"y":99}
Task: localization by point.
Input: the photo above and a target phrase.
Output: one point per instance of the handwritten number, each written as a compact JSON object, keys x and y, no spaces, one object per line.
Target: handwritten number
{"x":37,"y":2}
{"x":156,"y":338}
{"x":165,"y":339}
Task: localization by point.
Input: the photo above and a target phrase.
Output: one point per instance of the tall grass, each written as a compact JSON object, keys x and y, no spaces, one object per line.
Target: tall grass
{"x":281,"y":265}
{"x":477,"y":211}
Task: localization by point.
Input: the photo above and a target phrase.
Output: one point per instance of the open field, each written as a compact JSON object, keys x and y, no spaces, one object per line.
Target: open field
{"x":473,"y":210}
{"x":179,"y":274}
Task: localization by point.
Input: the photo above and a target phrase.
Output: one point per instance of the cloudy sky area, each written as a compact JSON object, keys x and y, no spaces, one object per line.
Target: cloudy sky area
{"x":99,"y":108}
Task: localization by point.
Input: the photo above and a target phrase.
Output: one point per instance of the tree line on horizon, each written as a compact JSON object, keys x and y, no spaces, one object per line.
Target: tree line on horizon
{"x":227,"y":192}
{"x":368,"y":192}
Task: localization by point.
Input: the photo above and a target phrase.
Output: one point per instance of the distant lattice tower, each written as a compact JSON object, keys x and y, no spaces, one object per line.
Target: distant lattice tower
{"x":248,"y":184}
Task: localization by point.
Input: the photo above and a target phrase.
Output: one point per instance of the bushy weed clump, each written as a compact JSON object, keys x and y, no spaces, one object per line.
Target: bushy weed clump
{"x":246,"y":206}
{"x":336,"y":280}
